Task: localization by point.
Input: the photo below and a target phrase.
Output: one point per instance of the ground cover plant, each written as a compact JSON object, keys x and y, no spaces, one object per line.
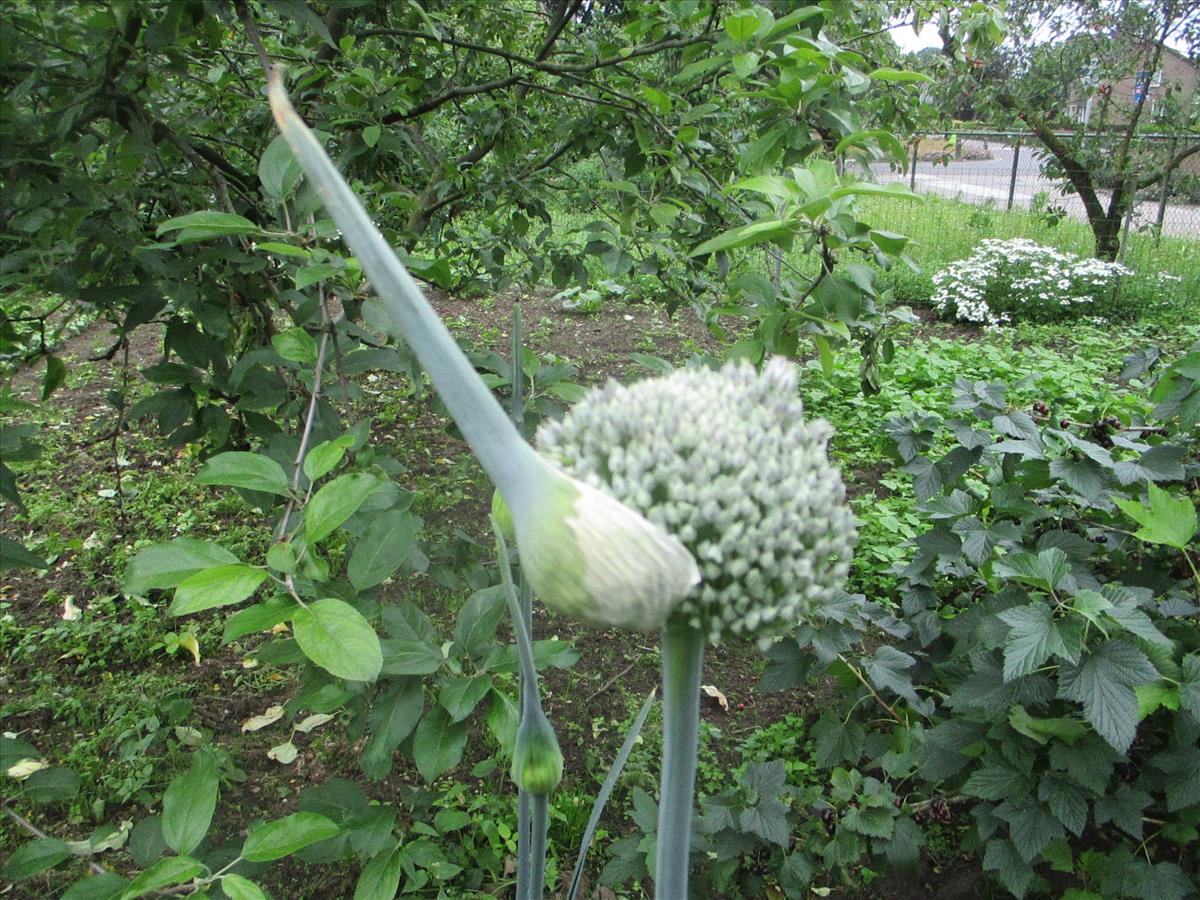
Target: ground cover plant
{"x":283,"y":652}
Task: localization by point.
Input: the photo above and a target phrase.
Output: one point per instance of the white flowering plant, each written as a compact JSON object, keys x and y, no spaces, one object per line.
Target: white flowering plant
{"x":1006,"y":281}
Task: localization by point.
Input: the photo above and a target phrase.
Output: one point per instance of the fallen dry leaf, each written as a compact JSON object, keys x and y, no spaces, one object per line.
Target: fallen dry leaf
{"x":23,"y":768}
{"x":710,"y":690}
{"x":314,"y":721}
{"x":70,"y":612}
{"x":283,"y":753}
{"x":271,"y":715}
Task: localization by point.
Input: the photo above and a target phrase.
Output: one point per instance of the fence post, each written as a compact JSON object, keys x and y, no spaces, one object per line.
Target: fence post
{"x":1128,"y":216}
{"x":912,"y":165}
{"x":1012,"y":178}
{"x":1162,"y":198}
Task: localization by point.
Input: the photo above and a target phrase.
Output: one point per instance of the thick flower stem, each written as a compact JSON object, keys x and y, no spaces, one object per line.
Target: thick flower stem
{"x":539,"y":828}
{"x":682,"y":655}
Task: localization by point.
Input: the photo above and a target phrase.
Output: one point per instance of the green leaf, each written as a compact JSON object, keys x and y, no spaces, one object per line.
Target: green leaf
{"x":15,"y":556}
{"x":1066,"y":800}
{"x":393,"y":716}
{"x":167,"y":872}
{"x":1123,"y":807}
{"x":1189,"y":685}
{"x":898,"y":75}
{"x":1046,"y":570}
{"x":872,"y":822}
{"x":36,"y":856}
{"x":311,"y":274}
{"x":1031,"y":827}
{"x":278,"y":170}
{"x":218,"y":586}
{"x":904,"y":849}
{"x":1103,"y":682}
{"x":459,"y":695}
{"x":51,"y":785}
{"x":503,"y":717}
{"x":1032,"y":638}
{"x":869,"y":188}
{"x":370,"y":135}
{"x":251,"y":471}
{"x":406,"y":656}
{"x":206,"y":224}
{"x":259,"y":617}
{"x":1042,"y":730}
{"x":382,"y":549}
{"x":335,"y":636}
{"x":1002,"y":858}
{"x":889,"y":669}
{"x":996,"y":779}
{"x":1153,"y":697}
{"x":837,"y":741}
{"x":55,"y":375}
{"x":237,"y":887}
{"x":324,"y":458}
{"x":334,"y":503}
{"x":380,"y":877}
{"x":1167,"y":520}
{"x":108,"y":886}
{"x":741,"y":25}
{"x":438,"y":744}
{"x":744,"y":235}
{"x":770,"y":185}
{"x":164,"y":566}
{"x":283,"y":249}
{"x":475,"y":631}
{"x":275,"y":840}
{"x":189,"y":803}
{"x":295,"y":344}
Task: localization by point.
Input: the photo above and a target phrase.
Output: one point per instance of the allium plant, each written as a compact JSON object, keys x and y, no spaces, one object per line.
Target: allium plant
{"x":725,"y":461}
{"x":1006,"y":281}
{"x":701,"y":504}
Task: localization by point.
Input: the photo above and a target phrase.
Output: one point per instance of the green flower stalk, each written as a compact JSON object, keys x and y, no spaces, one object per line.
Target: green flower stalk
{"x":585,"y":554}
{"x":726,"y":462}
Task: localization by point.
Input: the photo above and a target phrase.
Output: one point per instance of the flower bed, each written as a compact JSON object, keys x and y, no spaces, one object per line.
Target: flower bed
{"x":1005,"y":281}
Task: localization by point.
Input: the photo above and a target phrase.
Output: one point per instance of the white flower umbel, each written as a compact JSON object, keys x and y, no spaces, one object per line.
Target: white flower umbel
{"x":585,"y":555}
{"x":725,"y":461}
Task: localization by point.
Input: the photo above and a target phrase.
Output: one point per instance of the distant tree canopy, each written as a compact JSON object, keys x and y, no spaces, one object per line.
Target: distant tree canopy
{"x":464,"y":124}
{"x":1056,"y":55}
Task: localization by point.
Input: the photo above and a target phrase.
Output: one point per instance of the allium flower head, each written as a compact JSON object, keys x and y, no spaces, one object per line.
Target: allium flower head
{"x":724,"y":461}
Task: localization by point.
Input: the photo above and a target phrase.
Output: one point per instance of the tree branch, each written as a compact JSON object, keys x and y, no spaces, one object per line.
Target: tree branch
{"x":1171,"y":165}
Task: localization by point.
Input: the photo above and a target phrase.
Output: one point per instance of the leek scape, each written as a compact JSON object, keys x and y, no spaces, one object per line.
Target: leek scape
{"x":586,"y":554}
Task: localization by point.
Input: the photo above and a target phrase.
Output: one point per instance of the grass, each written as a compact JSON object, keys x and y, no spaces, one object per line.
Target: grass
{"x":943,"y":230}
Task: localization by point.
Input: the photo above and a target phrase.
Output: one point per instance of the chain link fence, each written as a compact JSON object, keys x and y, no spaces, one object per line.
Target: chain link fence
{"x":1008,"y":177}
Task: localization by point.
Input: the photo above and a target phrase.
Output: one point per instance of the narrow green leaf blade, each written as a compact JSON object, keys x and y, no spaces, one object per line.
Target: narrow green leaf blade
{"x":606,"y":789}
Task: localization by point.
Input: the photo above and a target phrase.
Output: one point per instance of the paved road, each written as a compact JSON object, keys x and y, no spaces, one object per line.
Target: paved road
{"x":986,"y":182}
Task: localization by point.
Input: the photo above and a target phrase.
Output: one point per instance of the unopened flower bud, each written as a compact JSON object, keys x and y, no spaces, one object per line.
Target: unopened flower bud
{"x":593,"y":558}
{"x":537,"y":764}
